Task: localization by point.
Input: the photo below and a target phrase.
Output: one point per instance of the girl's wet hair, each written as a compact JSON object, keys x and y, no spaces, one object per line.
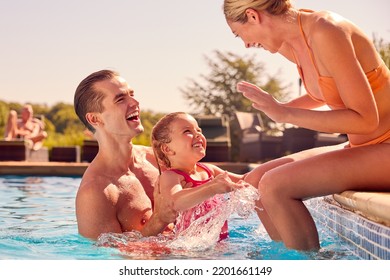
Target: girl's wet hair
{"x":161,"y":134}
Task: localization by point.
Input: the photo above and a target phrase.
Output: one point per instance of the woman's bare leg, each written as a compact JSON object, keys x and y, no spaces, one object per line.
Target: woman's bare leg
{"x":254,"y":177}
{"x":11,"y":126}
{"x":283,"y":188}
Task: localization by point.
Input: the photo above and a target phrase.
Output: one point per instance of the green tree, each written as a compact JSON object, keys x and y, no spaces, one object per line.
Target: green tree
{"x":63,"y":116}
{"x":384,"y":50}
{"x":216,"y":94}
{"x":148,"y":119}
{"x":63,"y":126}
{"x":3,"y":117}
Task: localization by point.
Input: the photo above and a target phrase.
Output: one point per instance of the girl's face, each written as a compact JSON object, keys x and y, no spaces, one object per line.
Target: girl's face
{"x":187,"y":139}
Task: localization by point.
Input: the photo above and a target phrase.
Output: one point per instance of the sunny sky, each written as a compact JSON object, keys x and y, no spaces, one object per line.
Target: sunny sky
{"x":48,"y":47}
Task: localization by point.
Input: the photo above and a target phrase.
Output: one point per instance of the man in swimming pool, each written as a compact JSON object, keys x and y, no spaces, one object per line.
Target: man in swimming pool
{"x":116,"y":191}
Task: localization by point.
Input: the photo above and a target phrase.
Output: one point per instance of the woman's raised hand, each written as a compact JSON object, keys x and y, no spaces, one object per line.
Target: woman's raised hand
{"x":262,"y":100}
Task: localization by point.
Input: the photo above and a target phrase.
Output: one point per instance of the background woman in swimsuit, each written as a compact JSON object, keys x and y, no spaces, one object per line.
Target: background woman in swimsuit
{"x":26,"y":127}
{"x":179,"y":145}
{"x":340,"y":68}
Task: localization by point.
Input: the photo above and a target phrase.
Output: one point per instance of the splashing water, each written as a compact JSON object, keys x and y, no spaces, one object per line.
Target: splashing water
{"x":202,"y":234}
{"x":243,"y":201}
{"x":134,"y":245}
{"x":37,"y":222}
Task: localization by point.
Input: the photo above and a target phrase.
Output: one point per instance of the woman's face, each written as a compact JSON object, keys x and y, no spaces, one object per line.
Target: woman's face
{"x":247,"y":32}
{"x":255,"y":32}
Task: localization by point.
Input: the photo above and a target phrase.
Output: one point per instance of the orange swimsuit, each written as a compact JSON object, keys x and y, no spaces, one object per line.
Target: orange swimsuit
{"x":377,"y":78}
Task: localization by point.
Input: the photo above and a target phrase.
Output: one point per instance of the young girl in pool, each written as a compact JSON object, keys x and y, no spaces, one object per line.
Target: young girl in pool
{"x":179,"y":145}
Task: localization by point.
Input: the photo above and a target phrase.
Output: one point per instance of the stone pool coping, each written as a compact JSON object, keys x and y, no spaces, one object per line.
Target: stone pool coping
{"x":42,"y":168}
{"x":374,"y":206}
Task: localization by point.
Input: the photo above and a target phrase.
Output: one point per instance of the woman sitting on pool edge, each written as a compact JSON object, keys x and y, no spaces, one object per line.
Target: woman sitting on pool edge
{"x":179,"y":145}
{"x":339,"y":67}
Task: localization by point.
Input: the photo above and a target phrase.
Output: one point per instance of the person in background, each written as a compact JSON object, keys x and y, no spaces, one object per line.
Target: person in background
{"x":26,"y":127}
{"x":179,"y":145}
{"x":116,"y":193}
{"x":340,"y":68}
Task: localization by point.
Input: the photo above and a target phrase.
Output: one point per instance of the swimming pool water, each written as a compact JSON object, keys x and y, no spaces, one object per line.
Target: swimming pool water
{"x":37,"y":222}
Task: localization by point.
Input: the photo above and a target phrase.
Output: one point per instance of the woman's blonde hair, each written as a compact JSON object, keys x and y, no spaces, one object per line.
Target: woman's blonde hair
{"x":161,"y":134}
{"x":234,"y":10}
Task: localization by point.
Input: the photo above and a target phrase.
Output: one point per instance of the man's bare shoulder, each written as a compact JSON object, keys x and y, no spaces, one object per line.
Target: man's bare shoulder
{"x":100,"y":183}
{"x":145,"y":151}
{"x":92,"y":185}
{"x":95,"y":199}
{"x":143,"y":148}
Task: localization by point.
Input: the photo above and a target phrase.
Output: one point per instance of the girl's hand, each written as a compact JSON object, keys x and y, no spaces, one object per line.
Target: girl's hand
{"x":223,"y":184}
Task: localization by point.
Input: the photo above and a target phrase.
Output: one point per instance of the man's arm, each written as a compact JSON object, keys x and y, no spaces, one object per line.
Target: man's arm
{"x":163,"y":214}
{"x":154,"y":226}
{"x":94,"y":214}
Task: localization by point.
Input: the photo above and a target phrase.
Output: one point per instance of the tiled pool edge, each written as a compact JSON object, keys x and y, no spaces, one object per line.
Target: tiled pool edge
{"x":359,"y":225}
{"x":371,"y":240}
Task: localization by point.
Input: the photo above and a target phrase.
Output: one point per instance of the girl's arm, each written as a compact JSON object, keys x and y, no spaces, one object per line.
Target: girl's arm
{"x":183,"y":199}
{"x":217,"y":170}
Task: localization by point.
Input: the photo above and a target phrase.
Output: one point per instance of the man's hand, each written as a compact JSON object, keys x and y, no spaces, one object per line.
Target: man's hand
{"x":163,"y":214}
{"x":163,"y":207}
